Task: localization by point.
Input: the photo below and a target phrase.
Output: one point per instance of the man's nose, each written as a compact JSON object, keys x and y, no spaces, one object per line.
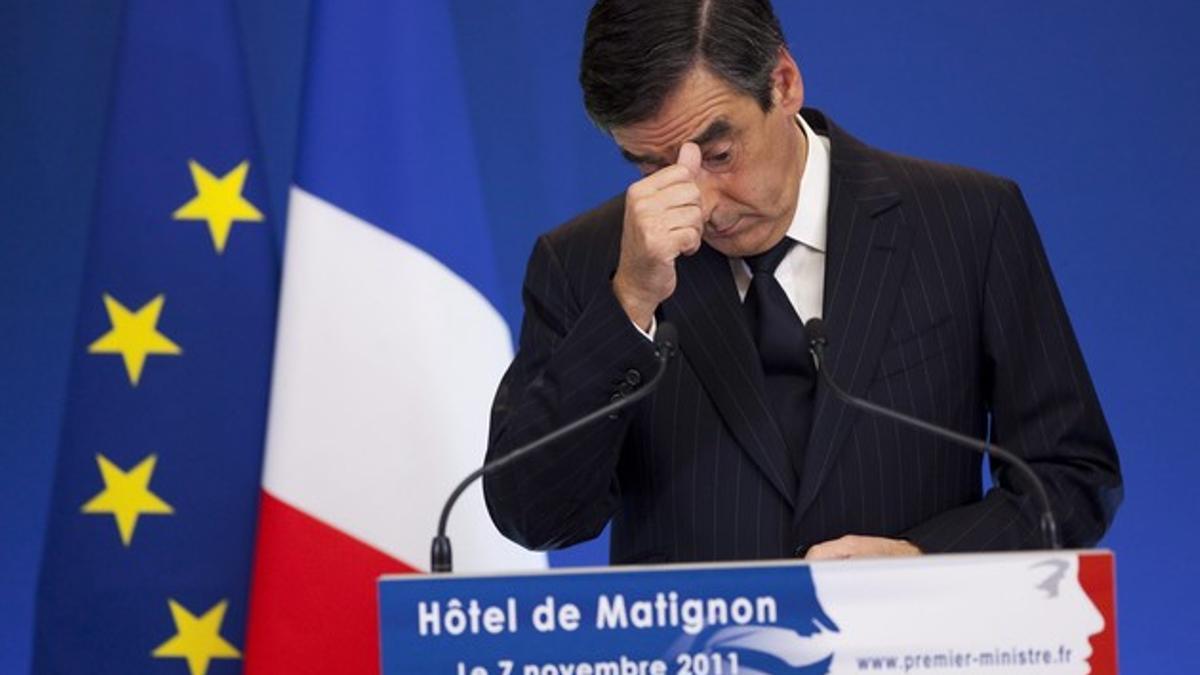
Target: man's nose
{"x":710,"y":196}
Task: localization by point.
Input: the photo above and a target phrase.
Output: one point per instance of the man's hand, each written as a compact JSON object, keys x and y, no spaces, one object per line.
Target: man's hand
{"x":855,"y":546}
{"x":663,"y":220}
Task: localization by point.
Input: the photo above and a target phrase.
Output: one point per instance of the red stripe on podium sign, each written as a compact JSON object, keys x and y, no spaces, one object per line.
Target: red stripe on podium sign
{"x":313,"y":605}
{"x":1096,"y":576}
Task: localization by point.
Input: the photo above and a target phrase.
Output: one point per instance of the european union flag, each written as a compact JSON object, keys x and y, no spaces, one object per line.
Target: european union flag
{"x":148,"y":550}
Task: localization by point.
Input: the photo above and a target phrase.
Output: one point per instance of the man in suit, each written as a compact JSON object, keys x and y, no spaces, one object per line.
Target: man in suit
{"x":751,"y":217}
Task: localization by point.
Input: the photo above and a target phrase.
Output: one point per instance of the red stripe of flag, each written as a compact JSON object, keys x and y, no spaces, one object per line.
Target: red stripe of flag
{"x":313,"y":601}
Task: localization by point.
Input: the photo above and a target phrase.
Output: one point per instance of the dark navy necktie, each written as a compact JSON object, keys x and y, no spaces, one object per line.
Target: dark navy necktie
{"x":779,"y":334}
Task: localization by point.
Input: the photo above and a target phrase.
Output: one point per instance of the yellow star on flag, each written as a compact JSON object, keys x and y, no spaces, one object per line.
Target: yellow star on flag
{"x":126,"y":495}
{"x":218,"y":201}
{"x":197,"y":639}
{"x":134,"y":335}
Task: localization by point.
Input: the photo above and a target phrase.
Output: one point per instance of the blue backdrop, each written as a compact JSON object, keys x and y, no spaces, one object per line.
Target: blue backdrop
{"x":1091,"y":106}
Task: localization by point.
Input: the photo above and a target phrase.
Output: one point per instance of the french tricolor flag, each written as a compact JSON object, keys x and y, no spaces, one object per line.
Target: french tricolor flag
{"x":389,"y":347}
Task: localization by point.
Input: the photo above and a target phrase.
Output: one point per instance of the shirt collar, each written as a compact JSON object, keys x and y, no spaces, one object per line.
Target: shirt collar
{"x":812,"y":201}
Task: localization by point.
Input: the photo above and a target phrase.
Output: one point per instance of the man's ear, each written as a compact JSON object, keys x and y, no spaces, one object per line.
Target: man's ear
{"x":787,"y":85}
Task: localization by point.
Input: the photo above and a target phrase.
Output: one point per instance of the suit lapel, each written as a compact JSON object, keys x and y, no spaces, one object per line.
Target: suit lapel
{"x":713,"y":337}
{"x":868,"y":253}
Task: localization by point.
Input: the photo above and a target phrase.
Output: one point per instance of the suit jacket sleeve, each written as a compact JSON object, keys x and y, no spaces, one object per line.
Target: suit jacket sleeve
{"x":1043,"y":407}
{"x":578,"y":351}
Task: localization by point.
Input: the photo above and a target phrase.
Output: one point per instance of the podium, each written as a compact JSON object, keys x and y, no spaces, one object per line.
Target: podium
{"x":1028,"y":612}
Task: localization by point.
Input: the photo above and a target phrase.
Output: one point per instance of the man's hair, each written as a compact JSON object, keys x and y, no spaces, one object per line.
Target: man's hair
{"x":636,"y":52}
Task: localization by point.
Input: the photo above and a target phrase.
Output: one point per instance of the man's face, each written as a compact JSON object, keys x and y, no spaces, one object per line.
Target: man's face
{"x":752,"y":161}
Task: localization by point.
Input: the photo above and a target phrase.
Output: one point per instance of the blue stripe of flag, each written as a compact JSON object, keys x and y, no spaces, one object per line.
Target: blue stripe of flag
{"x":386,"y":134}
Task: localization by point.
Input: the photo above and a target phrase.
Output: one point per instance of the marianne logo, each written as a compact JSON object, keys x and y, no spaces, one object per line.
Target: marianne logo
{"x":997,"y":626}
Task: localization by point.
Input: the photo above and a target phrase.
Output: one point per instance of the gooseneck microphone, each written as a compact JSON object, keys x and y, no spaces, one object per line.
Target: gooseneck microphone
{"x":817,"y":341}
{"x":666,"y":342}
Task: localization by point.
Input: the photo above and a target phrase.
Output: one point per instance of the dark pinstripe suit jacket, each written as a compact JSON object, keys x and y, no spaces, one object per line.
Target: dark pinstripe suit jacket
{"x":938,"y":301}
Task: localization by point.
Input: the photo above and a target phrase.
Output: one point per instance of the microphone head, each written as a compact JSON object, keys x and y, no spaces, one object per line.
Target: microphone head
{"x":666,"y":339}
{"x":815,"y":328}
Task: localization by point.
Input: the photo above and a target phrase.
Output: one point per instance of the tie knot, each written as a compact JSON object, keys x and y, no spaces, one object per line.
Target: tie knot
{"x":767,"y":261}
